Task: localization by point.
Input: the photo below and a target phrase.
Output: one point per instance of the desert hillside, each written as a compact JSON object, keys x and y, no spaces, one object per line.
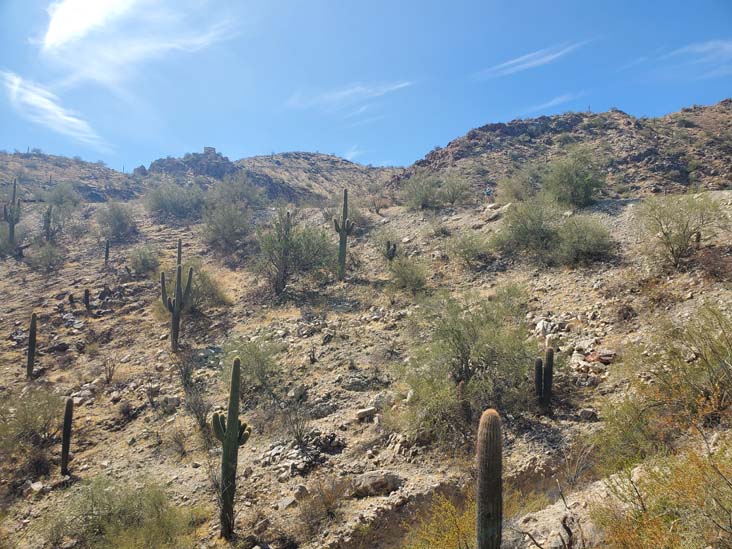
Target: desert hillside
{"x":365,"y":369}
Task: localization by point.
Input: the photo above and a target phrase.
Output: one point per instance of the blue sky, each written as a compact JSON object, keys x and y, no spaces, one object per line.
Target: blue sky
{"x":381,"y":82}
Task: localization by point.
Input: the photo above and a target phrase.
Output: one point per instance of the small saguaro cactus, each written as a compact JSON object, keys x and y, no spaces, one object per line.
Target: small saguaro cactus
{"x":106,"y":252}
{"x":344,"y":228}
{"x":543,"y":377}
{"x":391,"y":250}
{"x":87,"y":299}
{"x":232,"y":433}
{"x":489,"y":514}
{"x":31,"y":347}
{"x":177,"y":303}
{"x":66,"y":436}
{"x":11,"y":213}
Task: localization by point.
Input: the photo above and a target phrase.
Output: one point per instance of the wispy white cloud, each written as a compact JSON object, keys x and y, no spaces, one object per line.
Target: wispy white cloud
{"x":41,"y":106}
{"x":353,"y":153}
{"x":529,"y":61}
{"x":555,"y":102}
{"x":108,"y":41}
{"x":705,"y":59}
{"x":347,"y":96}
{"x":696,"y":61}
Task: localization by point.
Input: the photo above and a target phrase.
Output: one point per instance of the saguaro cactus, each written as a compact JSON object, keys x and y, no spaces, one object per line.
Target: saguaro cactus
{"x":391,"y":250}
{"x":177,"y":303}
{"x":87,"y":299}
{"x":31,"y":347}
{"x":232,"y":433}
{"x":543,"y":378}
{"x":11,"y":213}
{"x":489,"y":515}
{"x":66,"y":436}
{"x":106,"y":252}
{"x":344,"y":229}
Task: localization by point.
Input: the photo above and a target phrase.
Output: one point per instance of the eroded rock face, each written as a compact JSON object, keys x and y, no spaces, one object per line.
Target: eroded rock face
{"x":376,"y":483}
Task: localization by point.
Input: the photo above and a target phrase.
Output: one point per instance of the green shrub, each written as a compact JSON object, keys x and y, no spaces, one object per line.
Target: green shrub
{"x":476,"y":357}
{"x":574,"y":179}
{"x":290,"y":247}
{"x":473,"y":249}
{"x":408,"y":273}
{"x":31,"y":419}
{"x":169,"y":201}
{"x":46,"y":257}
{"x":226,"y":225}
{"x":63,"y":195}
{"x":116,"y":221}
{"x":531,"y":228}
{"x":520,"y":186}
{"x":581,"y":239}
{"x":109,"y":513}
{"x":670,"y":225}
{"x":454,"y":190}
{"x":144,"y":259}
{"x":259,"y":370}
{"x":421,"y":192}
{"x":540,"y":230}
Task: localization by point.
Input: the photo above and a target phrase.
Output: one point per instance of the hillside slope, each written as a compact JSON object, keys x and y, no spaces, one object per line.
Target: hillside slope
{"x":674,"y":152}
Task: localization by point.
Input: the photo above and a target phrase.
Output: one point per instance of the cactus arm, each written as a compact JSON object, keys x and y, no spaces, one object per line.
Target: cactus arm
{"x":337,"y":227}
{"x":538,"y":378}
{"x":218,"y":427}
{"x":187,"y":293}
{"x":546,"y":393}
{"x":163,"y":289}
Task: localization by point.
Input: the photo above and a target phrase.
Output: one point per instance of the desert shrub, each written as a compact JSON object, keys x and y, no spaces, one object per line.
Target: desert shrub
{"x":46,"y":257}
{"x":520,"y":186}
{"x":31,"y":419}
{"x":169,"y":201}
{"x":206,"y":292}
{"x":574,"y":179}
{"x":531,"y":228}
{"x":116,"y":221}
{"x":226,"y":225}
{"x":686,"y":386}
{"x":671,"y":225}
{"x":679,"y":501}
{"x":290,"y":247}
{"x":444,"y":524}
{"x":62,"y":195}
{"x":581,"y":239}
{"x":259,"y":370}
{"x":454,"y":190}
{"x":408,"y":274}
{"x":62,"y":204}
{"x":421,"y":192}
{"x":538,"y":229}
{"x":472,"y":248}
{"x":144,"y":259}
{"x":108,"y":513}
{"x":322,"y":506}
{"x":476,"y":357}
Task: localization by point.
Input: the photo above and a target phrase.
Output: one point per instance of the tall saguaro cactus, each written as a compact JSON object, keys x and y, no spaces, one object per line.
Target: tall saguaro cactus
{"x":177,"y":303}
{"x":232,"y":433}
{"x":489,"y":515}
{"x":543,"y":378}
{"x":31,"y":347}
{"x":11,"y":213}
{"x":344,"y":229}
{"x":106,"y":252}
{"x":66,"y":436}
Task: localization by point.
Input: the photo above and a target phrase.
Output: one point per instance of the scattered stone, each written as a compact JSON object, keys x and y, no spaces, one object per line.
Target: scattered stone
{"x":376,"y":483}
